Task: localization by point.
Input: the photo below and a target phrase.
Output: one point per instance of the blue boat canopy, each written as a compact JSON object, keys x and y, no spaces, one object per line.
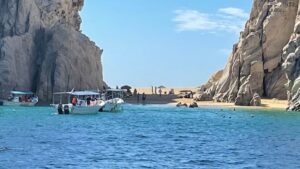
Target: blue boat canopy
{"x":22,"y":92}
{"x":84,"y":93}
{"x":78,"y":93}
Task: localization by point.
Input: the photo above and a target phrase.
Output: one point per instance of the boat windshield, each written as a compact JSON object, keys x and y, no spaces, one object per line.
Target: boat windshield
{"x":114,"y":93}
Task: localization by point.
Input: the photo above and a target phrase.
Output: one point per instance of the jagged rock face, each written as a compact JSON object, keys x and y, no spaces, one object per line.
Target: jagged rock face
{"x":205,"y":92}
{"x":23,"y":16}
{"x":215,"y":77}
{"x":256,"y":100}
{"x":255,"y":65}
{"x":43,"y":50}
{"x":291,"y":55}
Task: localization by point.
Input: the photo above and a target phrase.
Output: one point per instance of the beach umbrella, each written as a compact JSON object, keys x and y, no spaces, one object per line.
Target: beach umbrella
{"x":161,"y":87}
{"x":126,"y":87}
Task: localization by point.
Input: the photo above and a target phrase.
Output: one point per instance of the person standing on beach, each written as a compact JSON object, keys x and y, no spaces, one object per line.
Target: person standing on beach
{"x":138,"y":98}
{"x":135,"y":92}
{"x":144,"y":98}
{"x":160,"y":91}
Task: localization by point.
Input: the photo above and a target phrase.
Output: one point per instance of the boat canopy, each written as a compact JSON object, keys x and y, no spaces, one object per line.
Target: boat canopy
{"x":84,"y":93}
{"x":61,"y":93}
{"x":22,"y":92}
{"x":78,"y":93}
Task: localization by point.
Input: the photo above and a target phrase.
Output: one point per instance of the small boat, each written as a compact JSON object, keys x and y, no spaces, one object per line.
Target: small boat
{"x":181,"y":105}
{"x":113,"y":100}
{"x":78,"y":102}
{"x":21,"y":98}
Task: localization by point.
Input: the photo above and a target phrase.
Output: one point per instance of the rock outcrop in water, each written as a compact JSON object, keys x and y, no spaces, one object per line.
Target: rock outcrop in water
{"x":266,"y":58}
{"x":43,"y":50}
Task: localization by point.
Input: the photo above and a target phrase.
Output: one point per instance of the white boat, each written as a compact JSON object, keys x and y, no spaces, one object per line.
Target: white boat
{"x":87,"y":102}
{"x":113,"y":105}
{"x":21,"y":98}
{"x":113,"y":100}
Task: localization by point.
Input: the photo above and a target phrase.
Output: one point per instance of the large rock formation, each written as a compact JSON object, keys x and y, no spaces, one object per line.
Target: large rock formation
{"x":291,"y":65}
{"x":43,"y":50}
{"x":255,"y":65}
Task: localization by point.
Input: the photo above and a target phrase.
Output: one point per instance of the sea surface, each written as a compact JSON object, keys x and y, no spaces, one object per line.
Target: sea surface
{"x":150,"y":137}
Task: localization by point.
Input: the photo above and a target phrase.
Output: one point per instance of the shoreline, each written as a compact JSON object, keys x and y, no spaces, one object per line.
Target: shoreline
{"x":173,"y":100}
{"x":266,"y":104}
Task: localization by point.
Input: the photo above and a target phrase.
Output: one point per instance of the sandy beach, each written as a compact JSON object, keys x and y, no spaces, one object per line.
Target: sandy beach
{"x":174,"y":99}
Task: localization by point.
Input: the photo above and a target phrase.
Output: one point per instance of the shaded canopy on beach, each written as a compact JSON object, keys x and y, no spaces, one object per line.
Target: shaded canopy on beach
{"x":161,"y":87}
{"x":126,"y":87}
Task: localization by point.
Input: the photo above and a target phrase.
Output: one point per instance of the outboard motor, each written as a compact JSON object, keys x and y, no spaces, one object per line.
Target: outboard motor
{"x":60,"y":109}
{"x":1,"y":103}
{"x":66,"y":109}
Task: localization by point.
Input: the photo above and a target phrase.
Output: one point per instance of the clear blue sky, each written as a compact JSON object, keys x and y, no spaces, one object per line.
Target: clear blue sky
{"x":163,"y":42}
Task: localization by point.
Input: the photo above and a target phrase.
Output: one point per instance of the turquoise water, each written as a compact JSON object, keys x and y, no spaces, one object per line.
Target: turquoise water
{"x":149,"y":137}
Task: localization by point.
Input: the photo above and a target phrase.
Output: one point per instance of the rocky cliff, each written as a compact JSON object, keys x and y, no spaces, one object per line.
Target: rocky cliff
{"x":43,"y":50}
{"x":265,"y":61}
{"x":291,"y":65}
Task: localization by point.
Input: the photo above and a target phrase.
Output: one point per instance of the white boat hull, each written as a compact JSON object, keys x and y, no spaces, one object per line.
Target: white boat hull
{"x":113,"y":105}
{"x":24,"y":104}
{"x":81,"y":110}
{"x":85,"y":110}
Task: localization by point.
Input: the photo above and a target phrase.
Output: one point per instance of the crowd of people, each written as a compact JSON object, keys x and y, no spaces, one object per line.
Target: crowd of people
{"x":89,"y":100}
{"x":24,"y":98}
